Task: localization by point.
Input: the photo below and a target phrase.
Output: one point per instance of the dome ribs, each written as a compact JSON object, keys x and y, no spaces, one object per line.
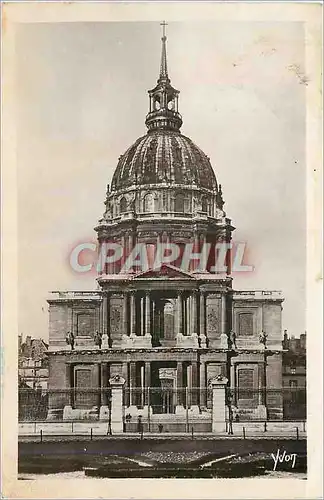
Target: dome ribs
{"x":164,"y":157}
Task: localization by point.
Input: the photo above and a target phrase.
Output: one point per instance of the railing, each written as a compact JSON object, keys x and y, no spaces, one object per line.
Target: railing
{"x":75,"y":293}
{"x":258,"y":293}
{"x":159,"y":404}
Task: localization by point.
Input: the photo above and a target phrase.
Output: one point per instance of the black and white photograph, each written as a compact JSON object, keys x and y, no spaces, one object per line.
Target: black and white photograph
{"x":162,"y":233}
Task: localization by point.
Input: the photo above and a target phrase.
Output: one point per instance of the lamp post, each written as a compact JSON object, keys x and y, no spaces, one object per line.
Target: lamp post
{"x":263,"y":340}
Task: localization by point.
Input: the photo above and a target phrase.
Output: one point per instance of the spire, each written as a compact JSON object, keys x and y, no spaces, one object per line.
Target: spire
{"x":164,"y":66}
{"x":163,"y":113}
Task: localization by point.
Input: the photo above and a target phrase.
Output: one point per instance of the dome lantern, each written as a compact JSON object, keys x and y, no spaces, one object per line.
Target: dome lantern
{"x":163,"y":113}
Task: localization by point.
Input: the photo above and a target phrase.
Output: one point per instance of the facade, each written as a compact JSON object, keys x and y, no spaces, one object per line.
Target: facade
{"x":170,"y":328}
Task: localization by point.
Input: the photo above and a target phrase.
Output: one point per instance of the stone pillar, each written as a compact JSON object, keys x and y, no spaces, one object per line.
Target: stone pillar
{"x":219,"y":406}
{"x":132,"y":314}
{"x":180,"y":389}
{"x":116,"y":384}
{"x":180,"y":314}
{"x":147,"y":314}
{"x":203,"y":389}
{"x":125,"y":314}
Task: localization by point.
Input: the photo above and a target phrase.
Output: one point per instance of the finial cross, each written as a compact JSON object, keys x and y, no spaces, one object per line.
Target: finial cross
{"x":163,"y":24}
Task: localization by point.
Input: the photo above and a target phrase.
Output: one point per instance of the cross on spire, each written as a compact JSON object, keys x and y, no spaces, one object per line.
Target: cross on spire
{"x":163,"y":24}
{"x":164,"y":67}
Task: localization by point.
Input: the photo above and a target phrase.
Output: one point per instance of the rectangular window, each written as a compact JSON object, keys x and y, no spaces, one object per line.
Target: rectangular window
{"x":245,"y":383}
{"x":245,"y":324}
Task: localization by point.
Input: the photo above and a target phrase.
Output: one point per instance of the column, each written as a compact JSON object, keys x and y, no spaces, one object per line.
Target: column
{"x":104,"y":383}
{"x":104,"y":314}
{"x":125,"y":314}
{"x":219,"y":404}
{"x":194,"y":384}
{"x":188,"y":315}
{"x":125,"y":370}
{"x":194,"y":312}
{"x":180,"y":314}
{"x":142,"y":309}
{"x":179,"y":383}
{"x":147,"y":314}
{"x":69,"y":384}
{"x":132,"y":383}
{"x":132,"y":314}
{"x":204,"y":252}
{"x":223,"y":315}
{"x":116,"y":384}
{"x":202,"y":314}
{"x":203,"y":389}
{"x":104,"y":408}
{"x":147,"y":381}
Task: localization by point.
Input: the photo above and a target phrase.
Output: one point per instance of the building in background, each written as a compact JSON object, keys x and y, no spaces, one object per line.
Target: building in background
{"x":294,"y":375}
{"x":167,"y":331}
{"x":32,"y":363}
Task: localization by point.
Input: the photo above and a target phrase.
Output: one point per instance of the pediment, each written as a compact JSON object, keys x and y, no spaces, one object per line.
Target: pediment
{"x":165,"y":271}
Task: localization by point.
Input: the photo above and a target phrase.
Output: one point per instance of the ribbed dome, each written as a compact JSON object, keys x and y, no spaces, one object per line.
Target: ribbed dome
{"x":163,"y":156}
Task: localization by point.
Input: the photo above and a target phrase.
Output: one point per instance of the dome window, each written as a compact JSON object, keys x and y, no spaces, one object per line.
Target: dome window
{"x":179,"y":203}
{"x":204,"y":205}
{"x":148,"y":205}
{"x":123,"y":205}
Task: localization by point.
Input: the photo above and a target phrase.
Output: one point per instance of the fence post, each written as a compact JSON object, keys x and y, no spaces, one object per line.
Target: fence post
{"x":35,"y":428}
{"x":219,"y":404}
{"x":243,"y":432}
{"x":41,"y":435}
{"x":265,"y":426}
{"x":192,"y":432}
{"x":72,"y":427}
{"x":117,"y":382}
{"x":304,"y":425}
{"x":91,"y":434}
{"x":297,"y":433}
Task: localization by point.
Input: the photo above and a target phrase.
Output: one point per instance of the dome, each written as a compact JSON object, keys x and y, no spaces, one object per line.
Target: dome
{"x":164,"y":157}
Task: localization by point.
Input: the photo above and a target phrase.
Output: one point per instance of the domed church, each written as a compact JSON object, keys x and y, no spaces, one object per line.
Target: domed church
{"x":165,"y":318}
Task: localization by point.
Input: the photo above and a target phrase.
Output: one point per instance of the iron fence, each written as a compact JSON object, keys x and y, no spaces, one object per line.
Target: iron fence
{"x":157,"y":405}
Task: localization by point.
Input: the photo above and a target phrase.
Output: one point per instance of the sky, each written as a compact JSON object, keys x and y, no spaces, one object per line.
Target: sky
{"x":82,"y":101}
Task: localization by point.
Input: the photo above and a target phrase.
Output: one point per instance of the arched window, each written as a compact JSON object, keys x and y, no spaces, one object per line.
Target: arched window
{"x":179,"y":203}
{"x":123,"y":205}
{"x":148,"y":205}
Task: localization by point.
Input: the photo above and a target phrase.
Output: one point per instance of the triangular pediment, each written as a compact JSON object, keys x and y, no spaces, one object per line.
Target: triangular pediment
{"x":165,"y":271}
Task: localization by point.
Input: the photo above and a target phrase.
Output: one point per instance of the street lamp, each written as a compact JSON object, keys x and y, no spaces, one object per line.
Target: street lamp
{"x":263,"y":340}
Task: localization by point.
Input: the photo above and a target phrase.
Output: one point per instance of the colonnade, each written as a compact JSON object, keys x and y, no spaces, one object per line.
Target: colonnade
{"x":139,"y":309}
